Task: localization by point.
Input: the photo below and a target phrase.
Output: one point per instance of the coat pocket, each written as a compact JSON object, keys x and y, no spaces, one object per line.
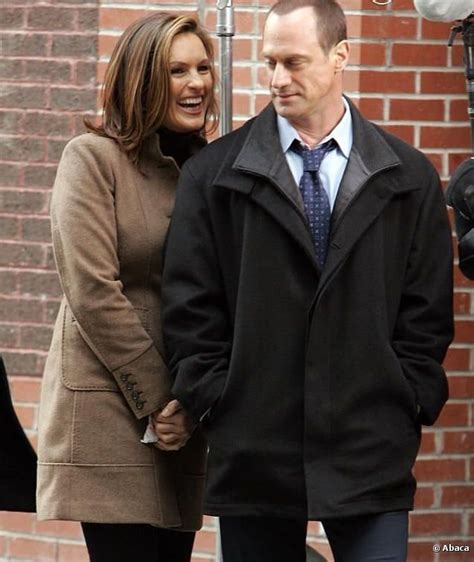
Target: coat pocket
{"x":81,"y":369}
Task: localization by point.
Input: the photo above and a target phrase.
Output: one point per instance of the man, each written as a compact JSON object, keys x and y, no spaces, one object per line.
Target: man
{"x":311,"y":365}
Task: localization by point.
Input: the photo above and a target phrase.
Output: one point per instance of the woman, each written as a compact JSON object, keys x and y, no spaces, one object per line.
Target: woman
{"x":105,"y":376}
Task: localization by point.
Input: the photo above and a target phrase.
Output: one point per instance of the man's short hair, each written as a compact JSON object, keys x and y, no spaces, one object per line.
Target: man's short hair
{"x":332,"y":26}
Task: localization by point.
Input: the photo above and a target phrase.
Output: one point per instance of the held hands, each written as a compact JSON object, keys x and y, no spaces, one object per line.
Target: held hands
{"x":172,"y":426}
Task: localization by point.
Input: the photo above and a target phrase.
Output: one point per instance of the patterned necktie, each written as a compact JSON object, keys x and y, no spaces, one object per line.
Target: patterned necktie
{"x":315,"y":198}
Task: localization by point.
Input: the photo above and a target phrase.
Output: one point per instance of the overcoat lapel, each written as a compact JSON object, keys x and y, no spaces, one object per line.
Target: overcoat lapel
{"x":363,"y":194}
{"x":271,"y":185}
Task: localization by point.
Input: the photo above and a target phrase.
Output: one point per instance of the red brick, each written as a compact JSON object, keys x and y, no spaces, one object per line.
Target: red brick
{"x":26,"y":416}
{"x":454,"y":414}
{"x":241,"y":102}
{"x":9,"y":228}
{"x":241,"y":49}
{"x":435,"y":524}
{"x":416,"y":110}
{"x":471,"y":524}
{"x":24,"y":96}
{"x":11,"y":174}
{"x":457,"y":496}
{"x":49,"y":71}
{"x":381,"y":26}
{"x":17,"y":522}
{"x":18,"y":254}
{"x":458,"y":110}
{"x":74,"y":45}
{"x":33,"y":549}
{"x":424,"y":497}
{"x":42,"y":284}
{"x":74,"y":99}
{"x":8,"y":282}
{"x":22,"y":363}
{"x":462,"y":303}
{"x":375,"y":81}
{"x":413,"y":54}
{"x":242,"y":76}
{"x":443,"y":137}
{"x":442,"y":82}
{"x":420,"y":551}
{"x":205,"y":541}
{"x":458,"y":442}
{"x":404,"y":132}
{"x":118,"y":18}
{"x":22,"y":149}
{"x":72,"y":553}
{"x":440,"y":469}
{"x":12,"y":18}
{"x":21,"y":44}
{"x":461,"y":386}
{"x":51,"y":18}
{"x":464,"y":331}
{"x":434,"y":30}
{"x":428,"y":442}
{"x":36,"y":337}
{"x":9,"y":336}
{"x":36,"y":229}
{"x":368,"y":54}
{"x":371,"y":108}
{"x":63,"y":529}
{"x":25,"y":389}
{"x":106,"y":44}
{"x":10,"y":120}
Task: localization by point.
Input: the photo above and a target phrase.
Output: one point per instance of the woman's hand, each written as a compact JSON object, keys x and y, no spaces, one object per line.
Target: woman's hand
{"x":172,"y":426}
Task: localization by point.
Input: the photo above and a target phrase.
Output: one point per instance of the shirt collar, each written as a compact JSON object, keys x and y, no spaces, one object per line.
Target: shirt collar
{"x":342,"y":132}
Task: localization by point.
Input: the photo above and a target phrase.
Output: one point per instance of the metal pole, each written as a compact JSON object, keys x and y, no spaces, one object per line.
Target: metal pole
{"x":225,"y":32}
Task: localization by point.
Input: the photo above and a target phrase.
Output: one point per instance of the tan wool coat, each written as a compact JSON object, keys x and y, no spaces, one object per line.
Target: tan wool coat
{"x":105,"y":372}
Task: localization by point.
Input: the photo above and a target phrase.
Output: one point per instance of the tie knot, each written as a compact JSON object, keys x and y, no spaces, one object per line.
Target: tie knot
{"x":312,"y":158}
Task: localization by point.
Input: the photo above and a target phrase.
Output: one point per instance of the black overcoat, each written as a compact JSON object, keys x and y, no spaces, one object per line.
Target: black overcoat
{"x":17,"y":457}
{"x":315,"y":384}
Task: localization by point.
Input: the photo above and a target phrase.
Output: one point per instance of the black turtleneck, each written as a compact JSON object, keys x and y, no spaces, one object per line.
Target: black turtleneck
{"x":180,"y":146}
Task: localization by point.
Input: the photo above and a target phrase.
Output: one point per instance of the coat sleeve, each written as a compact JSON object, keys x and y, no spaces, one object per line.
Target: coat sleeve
{"x":424,"y":327}
{"x":84,"y":232}
{"x":196,"y":327}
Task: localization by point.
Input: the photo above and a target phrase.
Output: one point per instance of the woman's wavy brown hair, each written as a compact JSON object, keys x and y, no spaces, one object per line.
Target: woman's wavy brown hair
{"x":136,"y":90}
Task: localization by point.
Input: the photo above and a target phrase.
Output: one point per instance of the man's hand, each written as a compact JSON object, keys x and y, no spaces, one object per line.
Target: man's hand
{"x":173,"y":427}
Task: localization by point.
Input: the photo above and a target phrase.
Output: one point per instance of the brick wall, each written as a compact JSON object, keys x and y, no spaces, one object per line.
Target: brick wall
{"x":402,"y":76}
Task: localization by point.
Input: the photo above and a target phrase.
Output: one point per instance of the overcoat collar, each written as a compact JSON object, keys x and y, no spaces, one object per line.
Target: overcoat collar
{"x":261,"y":157}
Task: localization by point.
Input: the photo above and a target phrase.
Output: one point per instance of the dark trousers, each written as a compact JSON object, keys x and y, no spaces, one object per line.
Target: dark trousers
{"x":373,"y":538}
{"x":132,"y":543}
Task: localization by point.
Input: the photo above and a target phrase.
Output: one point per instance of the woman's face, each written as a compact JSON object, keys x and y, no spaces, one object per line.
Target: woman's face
{"x":190,"y":84}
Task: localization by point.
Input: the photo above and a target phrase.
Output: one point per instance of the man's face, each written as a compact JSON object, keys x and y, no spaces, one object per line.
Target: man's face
{"x":303,"y":79}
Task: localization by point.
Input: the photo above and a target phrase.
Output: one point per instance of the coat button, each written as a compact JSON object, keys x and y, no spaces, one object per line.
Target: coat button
{"x":124,"y":377}
{"x":139,"y":404}
{"x":130,"y":385}
{"x":135,"y":395}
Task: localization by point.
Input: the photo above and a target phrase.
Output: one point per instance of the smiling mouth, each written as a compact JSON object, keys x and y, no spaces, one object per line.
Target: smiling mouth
{"x":192,"y":105}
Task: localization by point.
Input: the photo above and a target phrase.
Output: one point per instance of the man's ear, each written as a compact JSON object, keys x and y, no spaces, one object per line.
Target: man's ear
{"x":341,"y":55}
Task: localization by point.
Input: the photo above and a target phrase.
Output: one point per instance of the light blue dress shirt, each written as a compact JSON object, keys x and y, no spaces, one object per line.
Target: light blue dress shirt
{"x":334,"y":163}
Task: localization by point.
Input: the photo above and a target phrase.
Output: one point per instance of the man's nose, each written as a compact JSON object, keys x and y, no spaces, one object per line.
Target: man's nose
{"x":280,"y":76}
